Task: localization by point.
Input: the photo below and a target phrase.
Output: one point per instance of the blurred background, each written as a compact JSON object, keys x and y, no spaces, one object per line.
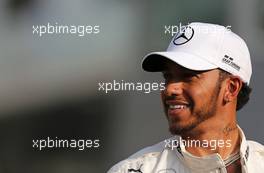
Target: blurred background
{"x":49,"y":84}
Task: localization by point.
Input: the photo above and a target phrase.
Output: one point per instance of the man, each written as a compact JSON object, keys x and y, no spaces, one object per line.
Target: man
{"x":207,"y":70}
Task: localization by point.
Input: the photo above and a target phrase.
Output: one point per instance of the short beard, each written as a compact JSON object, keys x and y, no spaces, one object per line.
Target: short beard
{"x":207,"y":111}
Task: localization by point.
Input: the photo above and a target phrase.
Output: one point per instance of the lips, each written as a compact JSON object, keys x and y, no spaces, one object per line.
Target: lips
{"x":176,"y":107}
{"x":176,"y":104}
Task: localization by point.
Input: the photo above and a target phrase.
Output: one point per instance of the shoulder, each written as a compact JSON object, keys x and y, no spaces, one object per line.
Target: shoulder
{"x":150,"y":150}
{"x":255,"y":157}
{"x":256,"y":153}
{"x":256,"y":147}
{"x":135,"y":161}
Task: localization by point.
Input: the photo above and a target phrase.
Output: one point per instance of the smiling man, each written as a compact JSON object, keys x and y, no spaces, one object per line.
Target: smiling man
{"x":207,"y":70}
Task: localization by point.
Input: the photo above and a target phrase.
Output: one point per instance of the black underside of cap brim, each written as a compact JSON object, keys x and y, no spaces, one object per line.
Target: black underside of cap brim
{"x":154,"y":63}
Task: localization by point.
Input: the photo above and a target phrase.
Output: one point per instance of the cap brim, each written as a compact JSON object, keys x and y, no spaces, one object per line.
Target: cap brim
{"x":154,"y":62}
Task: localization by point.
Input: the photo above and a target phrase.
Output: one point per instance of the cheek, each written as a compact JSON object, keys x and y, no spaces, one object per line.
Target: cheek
{"x":199,"y":93}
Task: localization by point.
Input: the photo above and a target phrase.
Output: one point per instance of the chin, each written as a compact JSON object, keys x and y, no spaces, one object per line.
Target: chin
{"x":181,"y":128}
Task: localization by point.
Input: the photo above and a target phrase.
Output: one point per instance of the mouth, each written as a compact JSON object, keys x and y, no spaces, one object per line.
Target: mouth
{"x":175,"y":104}
{"x":177,"y":108}
{"x":171,"y":106}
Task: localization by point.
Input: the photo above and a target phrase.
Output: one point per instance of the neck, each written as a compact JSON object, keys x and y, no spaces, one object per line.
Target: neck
{"x":216,"y":136}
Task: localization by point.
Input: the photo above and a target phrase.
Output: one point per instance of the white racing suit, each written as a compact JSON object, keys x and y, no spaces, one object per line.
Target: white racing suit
{"x":164,"y":158}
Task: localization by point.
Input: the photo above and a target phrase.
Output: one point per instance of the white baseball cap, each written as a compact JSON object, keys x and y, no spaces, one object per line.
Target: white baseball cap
{"x":203,"y":46}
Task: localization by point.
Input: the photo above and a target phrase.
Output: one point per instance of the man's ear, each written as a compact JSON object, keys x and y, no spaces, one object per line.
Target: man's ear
{"x":233,"y":86}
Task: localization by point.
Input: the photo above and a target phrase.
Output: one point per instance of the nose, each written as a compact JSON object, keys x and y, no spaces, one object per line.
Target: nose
{"x":174,"y":88}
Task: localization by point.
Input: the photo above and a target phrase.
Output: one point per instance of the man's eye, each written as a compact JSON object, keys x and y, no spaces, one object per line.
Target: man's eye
{"x":188,"y":75}
{"x":183,"y":77}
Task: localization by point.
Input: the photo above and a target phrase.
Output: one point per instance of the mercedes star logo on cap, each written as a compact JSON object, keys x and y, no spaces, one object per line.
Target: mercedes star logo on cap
{"x":184,"y":36}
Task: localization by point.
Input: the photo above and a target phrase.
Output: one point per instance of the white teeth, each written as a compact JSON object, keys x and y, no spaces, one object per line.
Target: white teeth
{"x":177,"y":106}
